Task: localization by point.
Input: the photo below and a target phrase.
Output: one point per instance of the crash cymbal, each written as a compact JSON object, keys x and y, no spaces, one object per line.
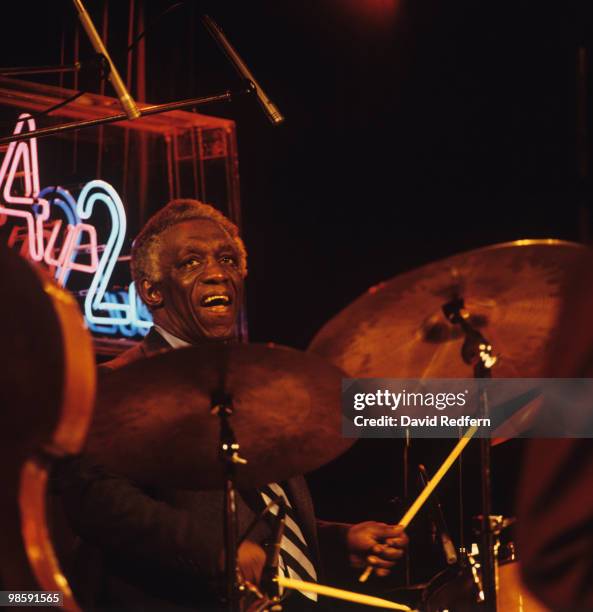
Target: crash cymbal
{"x":153,"y":421}
{"x":397,"y":329}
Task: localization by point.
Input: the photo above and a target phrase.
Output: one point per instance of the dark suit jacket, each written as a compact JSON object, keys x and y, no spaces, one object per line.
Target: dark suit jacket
{"x":555,"y":505}
{"x":161,"y":549}
{"x":555,"y":526}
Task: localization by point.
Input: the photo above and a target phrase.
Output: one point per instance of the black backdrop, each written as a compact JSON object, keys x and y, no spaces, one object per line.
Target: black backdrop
{"x":413,"y":131}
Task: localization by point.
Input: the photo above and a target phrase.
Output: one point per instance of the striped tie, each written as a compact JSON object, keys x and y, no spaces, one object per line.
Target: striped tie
{"x":294,"y":552}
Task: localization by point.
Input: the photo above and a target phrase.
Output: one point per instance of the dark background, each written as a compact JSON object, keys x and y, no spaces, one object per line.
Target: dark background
{"x":414,"y":130}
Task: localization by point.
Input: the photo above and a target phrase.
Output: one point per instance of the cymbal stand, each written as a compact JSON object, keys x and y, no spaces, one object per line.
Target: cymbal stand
{"x":478,"y":352}
{"x":269,"y":577}
{"x":222,"y":407}
{"x":268,"y":595}
{"x":406,"y":466}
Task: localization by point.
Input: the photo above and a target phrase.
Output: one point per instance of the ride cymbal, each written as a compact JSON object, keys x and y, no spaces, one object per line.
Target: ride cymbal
{"x":153,"y":421}
{"x":397,"y":329}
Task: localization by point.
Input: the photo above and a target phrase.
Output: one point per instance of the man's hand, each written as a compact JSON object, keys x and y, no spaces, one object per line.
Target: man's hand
{"x":252,"y":559}
{"x":376,"y":544}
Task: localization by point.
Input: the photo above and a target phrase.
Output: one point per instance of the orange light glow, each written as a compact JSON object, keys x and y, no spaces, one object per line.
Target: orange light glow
{"x":373,"y":12}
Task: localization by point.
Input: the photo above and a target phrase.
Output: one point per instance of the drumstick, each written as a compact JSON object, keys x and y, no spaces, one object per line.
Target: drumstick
{"x":429,"y":488}
{"x":312,"y":587}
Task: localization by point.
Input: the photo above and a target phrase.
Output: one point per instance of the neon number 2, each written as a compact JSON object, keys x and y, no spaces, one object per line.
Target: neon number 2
{"x":100,"y":191}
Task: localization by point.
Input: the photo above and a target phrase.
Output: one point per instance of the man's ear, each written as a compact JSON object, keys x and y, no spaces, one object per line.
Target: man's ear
{"x":150,"y":293}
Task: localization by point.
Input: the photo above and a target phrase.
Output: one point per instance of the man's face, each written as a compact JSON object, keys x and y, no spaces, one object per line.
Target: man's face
{"x":201,"y":286}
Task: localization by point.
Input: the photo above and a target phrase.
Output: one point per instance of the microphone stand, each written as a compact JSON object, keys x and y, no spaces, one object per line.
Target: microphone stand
{"x":24,"y":70}
{"x":145,"y":111}
{"x":131,"y":110}
{"x":477,"y":351}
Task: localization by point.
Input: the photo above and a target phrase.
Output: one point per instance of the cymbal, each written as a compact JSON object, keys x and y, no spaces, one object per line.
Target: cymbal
{"x":153,"y":420}
{"x":47,"y":378}
{"x":397,"y":329}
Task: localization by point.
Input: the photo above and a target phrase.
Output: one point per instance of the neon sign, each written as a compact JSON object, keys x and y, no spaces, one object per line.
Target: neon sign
{"x":105,"y":312}
{"x":72,"y":242}
{"x":139,"y":320}
{"x":27,"y":153}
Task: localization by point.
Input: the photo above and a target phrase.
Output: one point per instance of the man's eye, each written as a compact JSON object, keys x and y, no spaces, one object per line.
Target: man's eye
{"x":190,"y":262}
{"x":229,"y":259}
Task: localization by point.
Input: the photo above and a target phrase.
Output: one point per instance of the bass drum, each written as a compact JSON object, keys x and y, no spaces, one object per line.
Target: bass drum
{"x":458,"y":589}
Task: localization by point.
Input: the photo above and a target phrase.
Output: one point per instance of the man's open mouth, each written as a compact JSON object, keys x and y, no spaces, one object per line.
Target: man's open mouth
{"x":218,"y":302}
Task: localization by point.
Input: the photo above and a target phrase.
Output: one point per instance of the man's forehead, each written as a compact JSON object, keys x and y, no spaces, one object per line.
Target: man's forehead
{"x":197,"y":232}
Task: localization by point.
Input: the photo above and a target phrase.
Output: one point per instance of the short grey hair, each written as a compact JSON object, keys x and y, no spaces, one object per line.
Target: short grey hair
{"x":145,"y":249}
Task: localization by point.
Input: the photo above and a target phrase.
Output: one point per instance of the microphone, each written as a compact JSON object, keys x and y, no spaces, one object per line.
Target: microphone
{"x":438,"y":520}
{"x":125,"y":99}
{"x":270,"y":109}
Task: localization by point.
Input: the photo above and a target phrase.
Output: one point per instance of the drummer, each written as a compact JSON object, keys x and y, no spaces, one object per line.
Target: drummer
{"x":164,"y":548}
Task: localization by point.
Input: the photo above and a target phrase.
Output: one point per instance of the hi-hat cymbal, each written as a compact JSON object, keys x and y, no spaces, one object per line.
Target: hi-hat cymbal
{"x":397,"y":329}
{"x":153,"y":421}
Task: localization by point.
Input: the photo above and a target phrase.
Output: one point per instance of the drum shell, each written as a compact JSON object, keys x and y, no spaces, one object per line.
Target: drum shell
{"x":511,"y":593}
{"x":452,"y":589}
{"x":456,"y":591}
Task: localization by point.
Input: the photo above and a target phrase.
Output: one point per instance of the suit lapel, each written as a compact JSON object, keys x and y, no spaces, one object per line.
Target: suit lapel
{"x":153,"y":343}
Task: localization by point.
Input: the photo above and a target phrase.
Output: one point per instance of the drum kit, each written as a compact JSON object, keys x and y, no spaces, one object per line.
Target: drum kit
{"x":243,"y":415}
{"x":47,"y":393}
